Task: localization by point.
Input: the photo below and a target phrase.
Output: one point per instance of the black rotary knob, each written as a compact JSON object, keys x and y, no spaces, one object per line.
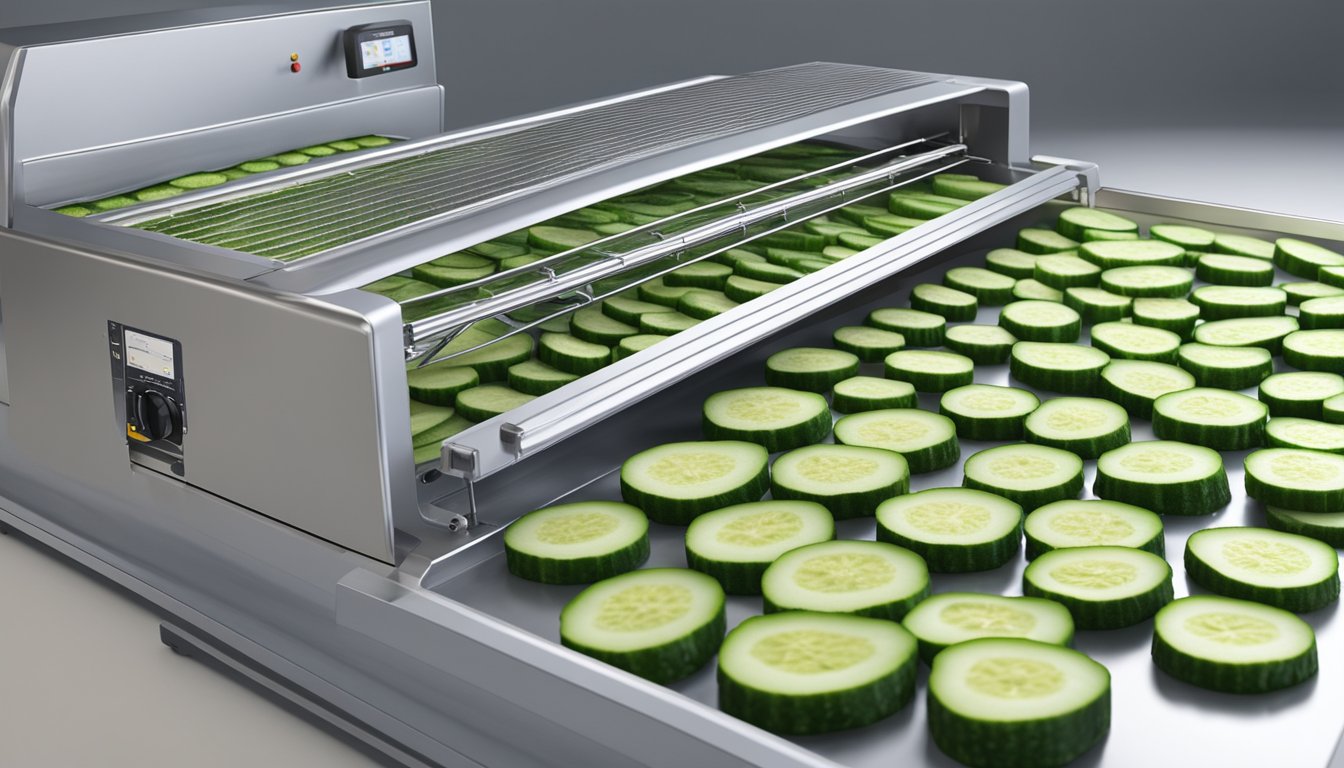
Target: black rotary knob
{"x":158,"y":416}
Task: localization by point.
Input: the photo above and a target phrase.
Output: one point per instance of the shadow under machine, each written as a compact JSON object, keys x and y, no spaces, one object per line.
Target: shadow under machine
{"x":218,"y":281}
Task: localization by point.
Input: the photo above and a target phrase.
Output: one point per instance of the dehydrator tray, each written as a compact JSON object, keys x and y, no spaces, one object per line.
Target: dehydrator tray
{"x":1156,"y":719}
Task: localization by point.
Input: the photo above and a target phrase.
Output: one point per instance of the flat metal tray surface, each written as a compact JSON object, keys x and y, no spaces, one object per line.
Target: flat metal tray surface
{"x":1156,"y":719}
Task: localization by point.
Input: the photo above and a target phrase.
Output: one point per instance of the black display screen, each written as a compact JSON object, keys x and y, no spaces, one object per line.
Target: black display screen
{"x":375,"y":49}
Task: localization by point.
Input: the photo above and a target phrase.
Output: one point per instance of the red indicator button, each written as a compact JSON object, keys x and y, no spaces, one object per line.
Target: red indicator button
{"x":295,"y":67}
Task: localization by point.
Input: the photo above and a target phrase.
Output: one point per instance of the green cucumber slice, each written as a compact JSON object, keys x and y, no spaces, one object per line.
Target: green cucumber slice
{"x":702,"y":274}
{"x":1318,"y":350}
{"x":704,"y":304}
{"x":666,"y":323}
{"x":888,"y":225}
{"x":776,"y":418}
{"x":928,"y":441}
{"x":930,"y":371}
{"x":1094,"y":305}
{"x":158,"y":192}
{"x":1235,"y":646}
{"x":804,"y":672}
{"x":1029,"y":289}
{"x":1332,"y":410}
{"x":577,"y":543}
{"x":869,"y":393}
{"x":766,"y":271}
{"x":867,"y":578}
{"x":1011,"y":262}
{"x":1086,"y":426}
{"x":489,"y":400}
{"x":1302,"y":291}
{"x":592,"y":325}
{"x":1310,"y":434}
{"x":633,"y":344}
{"x":1291,"y":478}
{"x":490,"y":362}
{"x":1295,"y":573}
{"x":1103,"y":587}
{"x":439,"y":384}
{"x":1221,"y":302}
{"x":1242,"y":245}
{"x":794,"y":241}
{"x":814,"y":369}
{"x":1111,"y":254}
{"x":1322,"y":526}
{"x":988,"y":412}
{"x":1073,"y":221}
{"x":1265,"y":332}
{"x":735,"y":256}
{"x":571,"y":354}
{"x":1298,"y":257}
{"x":659,"y":623}
{"x":1299,"y":394}
{"x":1092,"y":523}
{"x":560,"y":238}
{"x":1189,"y":238}
{"x":1148,"y":282}
{"x":533,"y":377}
{"x":75,"y":210}
{"x":444,"y":275}
{"x":920,"y":329}
{"x":1064,"y":270}
{"x":675,"y":482}
{"x":1221,"y":269}
{"x":657,"y":292}
{"x":1325,"y":312}
{"x":736,"y":544}
{"x":1065,"y":368}
{"x":988,"y":288}
{"x":964,"y":189}
{"x":1226,"y":367}
{"x":855,"y":214}
{"x":1176,"y":315}
{"x":955,"y":530}
{"x":1136,"y":384}
{"x":1126,"y":341}
{"x":627,"y":310}
{"x":919,"y":206}
{"x":950,"y":618}
{"x":1332,"y":276}
{"x":1030,"y":475}
{"x":983,"y":344}
{"x":428,"y":444}
{"x":838,"y":252}
{"x":1042,"y":241}
{"x":848,"y":480}
{"x":1168,"y":477}
{"x":744,"y":289}
{"x":870,"y":345}
{"x":1015,"y":703}
{"x":859,"y":242}
{"x":425,"y":417}
{"x":832,"y":231}
{"x":372,"y":141}
{"x":1041,"y":321}
{"x":1216,"y":418}
{"x":951,"y":303}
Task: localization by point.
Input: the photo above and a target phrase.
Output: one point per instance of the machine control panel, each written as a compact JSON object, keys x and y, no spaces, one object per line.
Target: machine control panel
{"x":150,"y":395}
{"x":376,"y":49}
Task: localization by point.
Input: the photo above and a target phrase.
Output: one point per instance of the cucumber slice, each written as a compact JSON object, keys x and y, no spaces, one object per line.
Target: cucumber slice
{"x":1298,"y":257}
{"x":533,"y":377}
{"x":920,"y":329}
{"x":1295,"y":573}
{"x":988,"y":288}
{"x":1305,"y":481}
{"x":848,"y":480}
{"x":1014,"y":703}
{"x":1242,"y":245}
{"x":1011,"y":262}
{"x":955,"y":530}
{"x":1319,"y":350}
{"x":1085,"y":426}
{"x":1221,"y":302}
{"x":76,"y":211}
{"x":940,"y":300}
{"x":951,"y":185}
{"x":199,"y":181}
{"x":572,"y":355}
{"x":1322,"y":526}
{"x":736,"y":544}
{"x":1030,"y":475}
{"x":813,"y":369}
{"x":794,"y":241}
{"x":704,"y":304}
{"x":1299,"y":394}
{"x":922,"y":206}
{"x":1264,"y":332}
{"x":1094,"y":305}
{"x":560,"y":238}
{"x":930,"y":371}
{"x":117,"y":202}
{"x":1127,"y":341}
{"x":1043,"y":241}
{"x":888,"y":225}
{"x":577,"y":543}
{"x":793,"y":260}
{"x":666,"y":323}
{"x":158,"y":192}
{"x":1073,"y":221}
{"x":983,"y":344}
{"x":425,"y":417}
{"x":586,"y":217}
{"x":675,"y":482}
{"x":735,"y":256}
{"x":1300,"y":292}
{"x":1168,"y":477}
{"x":776,"y":418}
{"x":988,"y":412}
{"x":870,"y":345}
{"x":1326,"y":312}
{"x":744,"y":289}
{"x":1064,"y":270}
{"x":1092,"y":523}
{"x":855,"y":214}
{"x":1148,"y":282}
{"x":489,"y":400}
{"x":928,"y":441}
{"x":372,"y":141}
{"x":868,"y":578}
{"x":1065,"y":368}
{"x":702,"y":274}
{"x":1332,"y":410}
{"x":1332,"y":276}
{"x":950,"y":618}
{"x":439,"y":384}
{"x":428,"y":445}
{"x":832,"y":231}
{"x":592,"y":325}
{"x":804,"y":672}
{"x":1235,"y":646}
{"x":858,"y":242}
{"x":1221,"y":269}
{"x":627,"y":310}
{"x":657,"y":292}
{"x":1028,"y":289}
{"x":1103,"y":587}
{"x":1216,"y":418}
{"x":1135,"y":384}
{"x":837,"y":252}
{"x":1112,"y":254}
{"x":632,"y":344}
{"x":1291,"y":432}
{"x":869,"y":393}
{"x":1175,"y":315}
{"x":1190,"y":238}
{"x":444,"y":275}
{"x":493,"y":361}
{"x":1226,"y":367}
{"x":766,"y":271}
{"x":659,"y":623}
{"x":1041,"y":321}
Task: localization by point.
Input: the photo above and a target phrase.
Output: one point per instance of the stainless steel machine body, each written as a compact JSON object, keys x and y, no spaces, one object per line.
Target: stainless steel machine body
{"x":289,"y":536}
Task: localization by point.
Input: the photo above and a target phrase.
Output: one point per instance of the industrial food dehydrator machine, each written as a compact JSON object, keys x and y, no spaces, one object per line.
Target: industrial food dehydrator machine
{"x":208,"y":334}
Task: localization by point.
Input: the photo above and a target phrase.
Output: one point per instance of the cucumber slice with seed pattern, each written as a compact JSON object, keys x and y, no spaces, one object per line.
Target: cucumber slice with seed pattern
{"x":592,"y":325}
{"x":848,"y":480}
{"x":928,"y":441}
{"x":1110,"y":254}
{"x":628,"y":310}
{"x":984,"y":344}
{"x":1043,"y":241}
{"x":1302,"y":291}
{"x":776,"y":418}
{"x":1168,"y":477}
{"x":577,"y":543}
{"x":666,"y":323}
{"x":1226,"y":367}
{"x":1298,"y":257}
{"x":1065,"y":368}
{"x":560,"y":238}
{"x":871,"y":345}
{"x":965,"y":189}
{"x":533,"y":377}
{"x":660,"y":623}
{"x":940,"y":300}
{"x":1306,"y":481}
{"x":702,"y":274}
{"x":1148,"y":282}
{"x":1235,"y":646}
{"x":988,"y":412}
{"x":1085,"y":426}
{"x":1310,"y":434}
{"x":1030,"y":475}
{"x":1011,"y":262}
{"x":803,"y":672}
{"x":1189,"y":238}
{"x":1265,"y":332}
{"x":572,"y":355}
{"x":1222,"y":269}
{"x":869,"y":393}
{"x":1221,"y":302}
{"x":813,"y":369}
{"x":744,"y":289}
{"x":1041,"y":321}
{"x":930,"y":371}
{"x":949,"y":618}
{"x":1216,"y":418}
{"x":1126,"y":341}
{"x":1074,"y":221}
{"x":1320,"y":350}
{"x":439,"y":384}
{"x":955,"y":530}
{"x":489,"y":400}
{"x":868,"y":578}
{"x":1028,"y":289}
{"x":1242,"y":245}
{"x":736,"y":544}
{"x":657,"y":292}
{"x":989,"y":288}
{"x":1176,"y":315}
{"x":1322,"y":526}
{"x":1092,"y":523}
{"x":704,"y":304}
{"x":1299,"y":394}
{"x":920,"y":329}
{"x":1136,"y":384}
{"x":675,"y":482}
{"x":1103,"y":587}
{"x":1295,"y":573}
{"x":1064,"y":270}
{"x":1325,"y":312}
{"x":1094,"y":305}
{"x":632,"y":344}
